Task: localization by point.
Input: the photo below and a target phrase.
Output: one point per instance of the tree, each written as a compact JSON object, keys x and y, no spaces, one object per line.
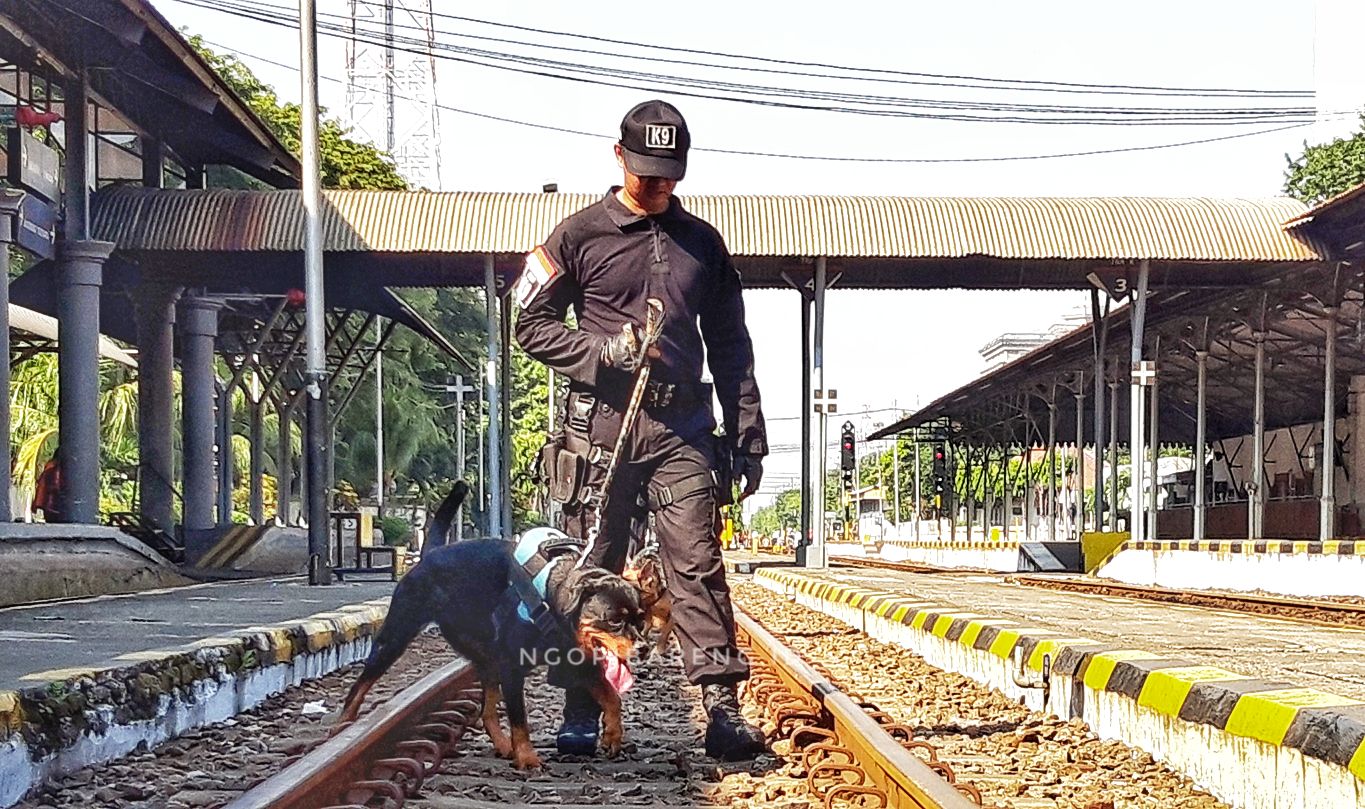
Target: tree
{"x":1327,"y":169}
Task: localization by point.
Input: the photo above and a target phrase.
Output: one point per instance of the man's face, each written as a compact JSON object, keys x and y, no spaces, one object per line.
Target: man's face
{"x":650,"y":193}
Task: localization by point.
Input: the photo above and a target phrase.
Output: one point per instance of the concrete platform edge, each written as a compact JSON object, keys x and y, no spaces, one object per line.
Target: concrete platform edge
{"x":73,"y":718}
{"x":1254,"y":743}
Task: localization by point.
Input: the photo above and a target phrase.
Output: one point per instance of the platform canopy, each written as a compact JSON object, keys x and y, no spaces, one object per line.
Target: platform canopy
{"x":433,"y":238}
{"x":34,"y":332}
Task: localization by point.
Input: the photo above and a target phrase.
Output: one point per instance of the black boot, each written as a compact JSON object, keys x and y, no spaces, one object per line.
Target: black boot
{"x":728,"y":736}
{"x":582,"y":718}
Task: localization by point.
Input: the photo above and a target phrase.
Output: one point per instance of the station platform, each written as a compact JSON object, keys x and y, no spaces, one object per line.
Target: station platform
{"x":1249,"y":706}
{"x":87,"y":680}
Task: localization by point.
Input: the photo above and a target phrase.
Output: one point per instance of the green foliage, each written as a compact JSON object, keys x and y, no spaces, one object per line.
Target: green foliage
{"x":396,"y":530}
{"x":1327,"y":169}
{"x":781,"y":514}
{"x":346,"y":163}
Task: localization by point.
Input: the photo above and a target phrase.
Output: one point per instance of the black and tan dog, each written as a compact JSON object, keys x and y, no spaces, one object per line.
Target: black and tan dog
{"x":646,"y":571}
{"x":467,"y":590}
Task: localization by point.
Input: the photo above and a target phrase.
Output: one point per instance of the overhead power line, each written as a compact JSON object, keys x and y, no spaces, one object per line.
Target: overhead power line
{"x":796,"y":156}
{"x":803,"y":99}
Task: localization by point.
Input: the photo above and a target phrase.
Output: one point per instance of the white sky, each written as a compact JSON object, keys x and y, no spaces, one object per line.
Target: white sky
{"x":881,"y":348}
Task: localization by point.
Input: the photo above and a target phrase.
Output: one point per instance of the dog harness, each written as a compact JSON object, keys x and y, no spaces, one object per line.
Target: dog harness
{"x":533,"y":557}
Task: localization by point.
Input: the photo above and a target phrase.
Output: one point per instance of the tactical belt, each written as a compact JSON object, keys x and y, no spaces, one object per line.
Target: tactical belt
{"x":660,"y":496}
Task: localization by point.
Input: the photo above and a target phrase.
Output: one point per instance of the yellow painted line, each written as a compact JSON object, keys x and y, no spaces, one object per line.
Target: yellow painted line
{"x":143,"y":657}
{"x":1165,"y":690}
{"x":1357,"y":764}
{"x":1052,"y":646}
{"x":973,"y":630}
{"x":945,"y":622}
{"x":1300,"y":547}
{"x":1102,"y":665}
{"x":1331,"y":547}
{"x":1267,"y":715}
{"x":1004,"y":642}
{"x":920,"y":617}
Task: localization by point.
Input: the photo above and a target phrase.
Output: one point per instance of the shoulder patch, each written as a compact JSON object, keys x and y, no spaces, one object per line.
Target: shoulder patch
{"x":538,"y":274}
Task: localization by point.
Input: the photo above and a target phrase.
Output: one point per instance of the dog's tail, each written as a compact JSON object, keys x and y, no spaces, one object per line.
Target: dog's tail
{"x":445,"y":515}
{"x":400,"y":626}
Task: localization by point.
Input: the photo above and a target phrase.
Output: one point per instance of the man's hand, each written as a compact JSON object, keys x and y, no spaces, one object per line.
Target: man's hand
{"x":750,"y":469}
{"x":622,"y":351}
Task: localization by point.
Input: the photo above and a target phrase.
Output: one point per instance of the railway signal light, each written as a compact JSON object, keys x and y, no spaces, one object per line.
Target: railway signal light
{"x":847,"y":460}
{"x":940,"y":469}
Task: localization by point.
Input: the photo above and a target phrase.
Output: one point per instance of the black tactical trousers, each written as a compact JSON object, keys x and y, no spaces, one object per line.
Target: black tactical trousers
{"x":674,"y":476}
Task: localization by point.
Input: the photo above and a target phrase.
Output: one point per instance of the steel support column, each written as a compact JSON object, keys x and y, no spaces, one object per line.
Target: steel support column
{"x":807,"y":408}
{"x":969,"y":493}
{"x":1136,"y":417}
{"x":1078,"y":491}
{"x":10,"y":200}
{"x":815,"y":556}
{"x":284,"y":459}
{"x":505,"y":415}
{"x":256,"y":496}
{"x":80,"y":273}
{"x":1114,"y":456}
{"x":1100,"y":328}
{"x":1154,"y":441}
{"x":226,"y":456}
{"x":1327,"y":522}
{"x":1256,"y":501}
{"x":918,"y":507}
{"x":1052,"y":465}
{"x":1006,"y":455}
{"x":494,"y":397}
{"x":1201,"y":362}
{"x":198,"y":325}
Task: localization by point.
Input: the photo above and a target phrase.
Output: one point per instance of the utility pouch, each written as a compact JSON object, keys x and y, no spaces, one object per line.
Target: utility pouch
{"x":725,"y":471}
{"x":562,"y":469}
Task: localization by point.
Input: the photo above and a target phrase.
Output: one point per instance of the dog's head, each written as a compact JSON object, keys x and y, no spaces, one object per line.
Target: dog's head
{"x":604,"y":611}
{"x":646,"y":572}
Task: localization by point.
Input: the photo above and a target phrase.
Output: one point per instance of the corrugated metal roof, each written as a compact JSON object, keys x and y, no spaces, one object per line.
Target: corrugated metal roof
{"x":1175,"y":229}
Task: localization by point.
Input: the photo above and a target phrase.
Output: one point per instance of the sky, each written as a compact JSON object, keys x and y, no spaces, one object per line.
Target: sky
{"x":885,"y":351}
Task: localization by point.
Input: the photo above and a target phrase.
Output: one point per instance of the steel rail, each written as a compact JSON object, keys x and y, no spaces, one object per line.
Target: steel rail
{"x":842,"y":727}
{"x":908,"y":567}
{"x":395,"y":739}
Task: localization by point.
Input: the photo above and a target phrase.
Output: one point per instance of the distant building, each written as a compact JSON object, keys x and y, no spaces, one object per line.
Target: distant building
{"x":1012,"y":345}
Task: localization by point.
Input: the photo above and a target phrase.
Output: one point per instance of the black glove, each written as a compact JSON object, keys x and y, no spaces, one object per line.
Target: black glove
{"x":622,"y":350}
{"x":750,"y":468}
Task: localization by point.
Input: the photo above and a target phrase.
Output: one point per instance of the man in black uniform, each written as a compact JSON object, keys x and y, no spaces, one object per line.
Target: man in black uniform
{"x":605,"y":262}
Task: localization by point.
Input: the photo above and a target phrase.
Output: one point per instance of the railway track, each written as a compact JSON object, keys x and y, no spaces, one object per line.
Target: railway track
{"x":424,"y":745}
{"x":1315,"y":611}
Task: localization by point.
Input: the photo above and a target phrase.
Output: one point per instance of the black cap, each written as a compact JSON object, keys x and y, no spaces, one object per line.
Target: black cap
{"x":655,"y":140}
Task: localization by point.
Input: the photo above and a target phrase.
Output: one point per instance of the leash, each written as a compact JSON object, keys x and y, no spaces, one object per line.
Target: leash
{"x":654,"y":326}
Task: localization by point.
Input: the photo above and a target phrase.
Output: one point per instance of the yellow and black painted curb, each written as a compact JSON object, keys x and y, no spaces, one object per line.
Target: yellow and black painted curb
{"x":230,"y":547}
{"x":1317,"y":723}
{"x":1242,"y":547}
{"x":953,"y":545}
{"x":142,"y":677}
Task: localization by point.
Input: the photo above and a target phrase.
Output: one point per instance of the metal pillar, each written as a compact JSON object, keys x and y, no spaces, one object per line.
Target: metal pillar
{"x":10,"y":200}
{"x":284,"y":459}
{"x":1154,"y":425}
{"x":1136,"y":417}
{"x":1327,"y":522}
{"x":506,"y":414}
{"x":461,"y":464}
{"x":969,"y":500}
{"x":1052,"y":465}
{"x":807,"y":408}
{"x":494,"y":397}
{"x":1100,"y":327}
{"x":918,"y":502}
{"x":256,"y":496}
{"x":198,"y":324}
{"x":1030,"y":495}
{"x":1256,"y":502}
{"x":155,"y":402}
{"x":1008,"y":504}
{"x":896,"y":480}
{"x":1201,"y":362}
{"x":815,"y":556}
{"x":226,"y":455}
{"x":1113,"y":456}
{"x":1078,"y":491}
{"x":80,"y":273}
{"x":379,"y":414}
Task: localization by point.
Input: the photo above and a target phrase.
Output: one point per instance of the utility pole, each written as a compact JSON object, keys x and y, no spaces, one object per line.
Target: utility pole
{"x":379,"y":413}
{"x":315,"y":376}
{"x":459,"y":389}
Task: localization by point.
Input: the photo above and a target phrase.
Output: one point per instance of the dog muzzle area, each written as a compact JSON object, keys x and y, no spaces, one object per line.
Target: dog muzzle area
{"x":611,"y":655}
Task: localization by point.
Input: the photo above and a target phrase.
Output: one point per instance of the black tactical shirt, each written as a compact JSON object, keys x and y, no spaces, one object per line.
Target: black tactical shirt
{"x":605,"y":261}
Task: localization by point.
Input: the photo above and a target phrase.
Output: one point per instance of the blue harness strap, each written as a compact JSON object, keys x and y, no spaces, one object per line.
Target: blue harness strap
{"x":533,"y":557}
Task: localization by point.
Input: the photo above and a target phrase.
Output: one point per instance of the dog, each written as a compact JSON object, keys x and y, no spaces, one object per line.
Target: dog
{"x":467,"y":590}
{"x":646,"y":572}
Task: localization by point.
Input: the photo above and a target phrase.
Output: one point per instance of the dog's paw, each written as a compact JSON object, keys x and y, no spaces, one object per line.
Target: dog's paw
{"x":526,"y":759}
{"x":502,"y":746}
{"x":611,"y":743}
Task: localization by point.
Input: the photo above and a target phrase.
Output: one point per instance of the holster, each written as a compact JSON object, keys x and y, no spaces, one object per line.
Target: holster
{"x":725,"y":471}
